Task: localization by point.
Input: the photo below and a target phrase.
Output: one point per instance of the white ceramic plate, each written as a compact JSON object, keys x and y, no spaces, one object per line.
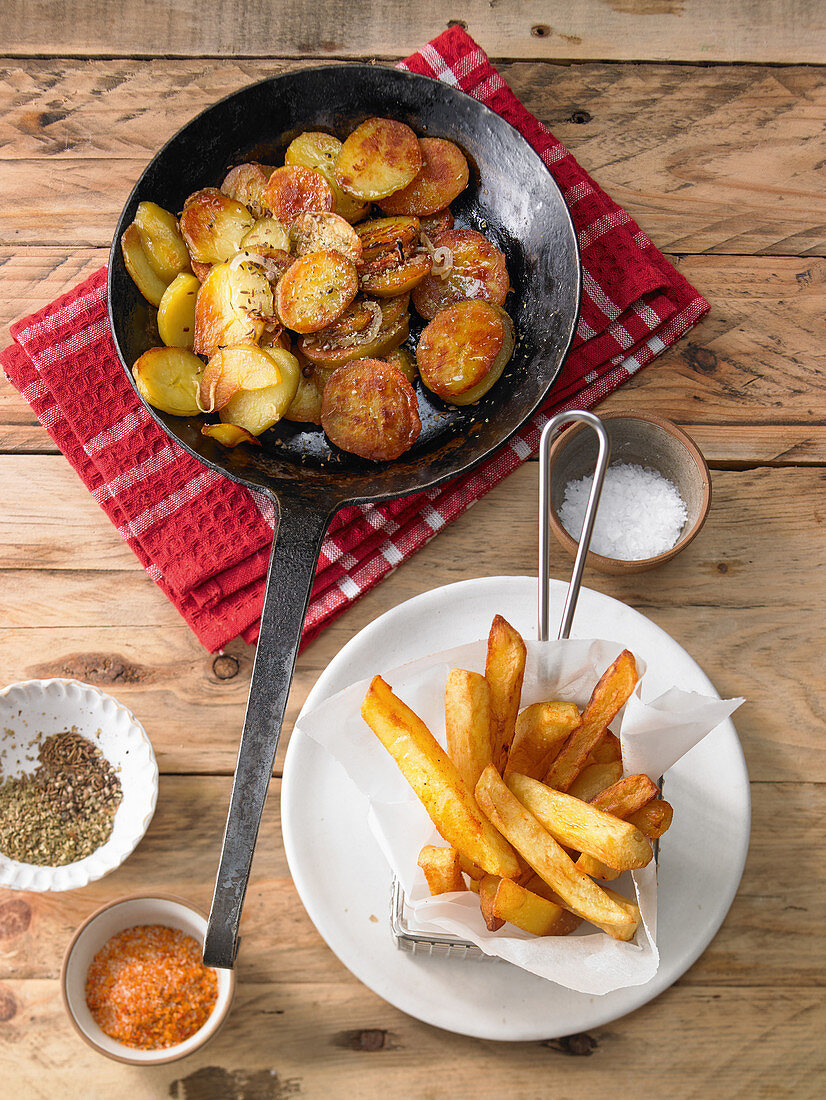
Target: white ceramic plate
{"x":36,"y":709}
{"x":345,"y":883}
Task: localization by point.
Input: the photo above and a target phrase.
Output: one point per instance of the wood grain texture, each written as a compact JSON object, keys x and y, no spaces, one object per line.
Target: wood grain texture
{"x":81,"y":605}
{"x":667,"y":142}
{"x":761,"y":30}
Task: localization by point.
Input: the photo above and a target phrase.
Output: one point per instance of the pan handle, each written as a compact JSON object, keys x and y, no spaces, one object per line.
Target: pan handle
{"x":301,"y":528}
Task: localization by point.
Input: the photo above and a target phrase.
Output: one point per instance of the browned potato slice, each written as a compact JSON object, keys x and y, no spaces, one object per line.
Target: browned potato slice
{"x":442,"y":869}
{"x":478,"y":271}
{"x":305,"y":407}
{"x":257,"y":410}
{"x":382,"y":235}
{"x":245,"y":367}
{"x":369,"y":409}
{"x":324,"y":232}
{"x":399,"y":279}
{"x":293,"y":190}
{"x":443,"y":176}
{"x":213,"y":225}
{"x":319,"y":151}
{"x":463,"y":351}
{"x":341,"y":342}
{"x":201,"y":270}
{"x":220,"y":320}
{"x":229,"y":435}
{"x":176,"y":312}
{"x":405,"y":360}
{"x":315,"y":290}
{"x":267,"y":235}
{"x":246,"y":183}
{"x":436,"y":223}
{"x":143,"y":274}
{"x":162,"y":241}
{"x":379,"y":157}
{"x":168,"y":379}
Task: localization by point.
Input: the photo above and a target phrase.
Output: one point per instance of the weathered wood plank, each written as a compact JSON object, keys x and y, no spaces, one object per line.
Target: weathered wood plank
{"x":728,"y":599}
{"x":745,"y":382}
{"x":706,"y":160}
{"x":768,"y":31}
{"x":777,"y":916}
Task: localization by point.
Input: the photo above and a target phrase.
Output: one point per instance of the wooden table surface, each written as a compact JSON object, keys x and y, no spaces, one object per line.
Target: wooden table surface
{"x":705,"y":119}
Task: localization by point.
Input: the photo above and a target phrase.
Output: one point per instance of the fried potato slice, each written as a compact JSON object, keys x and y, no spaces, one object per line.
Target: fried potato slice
{"x":305,"y":407}
{"x":463,"y":351}
{"x":399,"y":278}
{"x":267,"y":235}
{"x":247,"y":184}
{"x":319,"y":151}
{"x":201,"y":270}
{"x":653,"y":819}
{"x":404,"y":360}
{"x":504,"y":672}
{"x":578,"y":825}
{"x":382,"y":235}
{"x":168,"y":379}
{"x":623,"y":797}
{"x":503,"y":901}
{"x":539,"y":732}
{"x":435,"y":779}
{"x":370,"y":409}
{"x":607,"y":699}
{"x":539,"y":849}
{"x":232,"y":369}
{"x":315,"y":291}
{"x":143,"y":274}
{"x":431,"y":224}
{"x":221,"y":316}
{"x":293,"y":190}
{"x":608,"y":751}
{"x":468,"y":723}
{"x":469,"y":868}
{"x":256,"y":410}
{"x":213,"y":225}
{"x":229,"y":435}
{"x":176,"y":311}
{"x":379,"y":157}
{"x":442,"y":869}
{"x":478,"y":271}
{"x":593,"y":779}
{"x":368,"y":329}
{"x":322,"y":232}
{"x":162,"y":241}
{"x":442,"y":176}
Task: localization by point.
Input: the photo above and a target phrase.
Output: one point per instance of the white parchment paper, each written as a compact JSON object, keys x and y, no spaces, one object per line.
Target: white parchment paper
{"x":654,"y":734}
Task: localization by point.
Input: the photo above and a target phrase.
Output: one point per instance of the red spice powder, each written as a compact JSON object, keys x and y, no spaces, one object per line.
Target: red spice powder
{"x":148,"y":988}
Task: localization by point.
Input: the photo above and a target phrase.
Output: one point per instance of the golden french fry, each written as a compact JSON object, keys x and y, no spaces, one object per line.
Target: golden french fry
{"x":469,"y":868}
{"x":654,"y":818}
{"x":467,"y":723}
{"x":607,"y":698}
{"x":504,"y":671}
{"x":608,"y":751}
{"x":503,"y":900}
{"x":622,"y":799}
{"x":578,"y":825}
{"x":541,"y":730}
{"x":548,"y":859}
{"x":442,"y":869}
{"x":537,"y":886}
{"x":593,"y":779}
{"x":436,"y":780}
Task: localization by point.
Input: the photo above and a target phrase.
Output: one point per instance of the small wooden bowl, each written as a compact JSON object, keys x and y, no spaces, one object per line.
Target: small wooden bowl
{"x":93,"y":934}
{"x":643,"y":440}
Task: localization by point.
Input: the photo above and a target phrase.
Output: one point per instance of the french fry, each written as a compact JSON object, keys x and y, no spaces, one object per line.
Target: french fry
{"x":608,"y":751}
{"x":504,"y":671}
{"x":607,"y":698}
{"x":537,"y":886}
{"x":541,"y":730}
{"x":503,"y":900}
{"x":578,"y":825}
{"x":654,"y":818}
{"x":469,"y":868}
{"x":442,"y":869}
{"x":593,"y":779}
{"x":548,"y":860}
{"x":468,"y":723}
{"x":622,"y":799}
{"x":435,"y":779}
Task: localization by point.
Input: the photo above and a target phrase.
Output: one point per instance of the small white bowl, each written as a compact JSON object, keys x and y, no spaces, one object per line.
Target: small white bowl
{"x":35,"y":709}
{"x":92,"y":935}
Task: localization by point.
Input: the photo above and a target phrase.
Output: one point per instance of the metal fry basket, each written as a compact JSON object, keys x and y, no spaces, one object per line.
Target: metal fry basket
{"x":440,"y":943}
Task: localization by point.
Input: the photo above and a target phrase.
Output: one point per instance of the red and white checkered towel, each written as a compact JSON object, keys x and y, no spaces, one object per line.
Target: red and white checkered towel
{"x":203,"y":539}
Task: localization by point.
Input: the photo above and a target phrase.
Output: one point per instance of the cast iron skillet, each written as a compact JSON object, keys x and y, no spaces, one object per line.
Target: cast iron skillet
{"x":513,"y":199}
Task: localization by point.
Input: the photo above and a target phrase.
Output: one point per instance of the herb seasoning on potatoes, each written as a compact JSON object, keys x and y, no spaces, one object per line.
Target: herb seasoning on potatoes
{"x":281,"y":296}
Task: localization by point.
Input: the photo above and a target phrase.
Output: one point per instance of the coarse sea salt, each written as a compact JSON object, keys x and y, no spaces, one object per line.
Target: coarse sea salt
{"x":641,"y":513}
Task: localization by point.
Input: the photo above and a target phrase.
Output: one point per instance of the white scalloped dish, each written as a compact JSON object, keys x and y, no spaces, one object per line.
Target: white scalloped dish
{"x":32,"y":710}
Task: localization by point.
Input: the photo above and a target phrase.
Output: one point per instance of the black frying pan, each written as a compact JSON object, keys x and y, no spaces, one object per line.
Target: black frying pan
{"x":513,"y":199}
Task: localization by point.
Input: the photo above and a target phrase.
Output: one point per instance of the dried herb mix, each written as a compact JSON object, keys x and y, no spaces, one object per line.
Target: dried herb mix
{"x":64,"y":810}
